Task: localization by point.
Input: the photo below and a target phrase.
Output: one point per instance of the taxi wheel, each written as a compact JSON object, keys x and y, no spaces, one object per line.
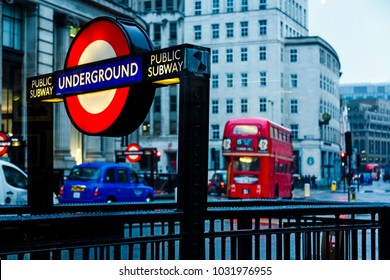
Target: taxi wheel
{"x":149,"y":198}
{"x":111,"y":200}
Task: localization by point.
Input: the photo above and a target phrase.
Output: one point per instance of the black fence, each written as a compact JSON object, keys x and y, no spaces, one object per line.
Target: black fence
{"x":251,"y":229}
{"x":162,"y":183}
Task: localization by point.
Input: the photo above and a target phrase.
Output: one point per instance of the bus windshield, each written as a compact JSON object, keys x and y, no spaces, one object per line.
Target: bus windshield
{"x":246,"y":164}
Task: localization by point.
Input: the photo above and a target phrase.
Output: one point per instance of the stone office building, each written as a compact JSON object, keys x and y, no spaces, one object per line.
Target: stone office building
{"x":370,"y":129}
{"x":35,"y":39}
{"x":263,"y":63}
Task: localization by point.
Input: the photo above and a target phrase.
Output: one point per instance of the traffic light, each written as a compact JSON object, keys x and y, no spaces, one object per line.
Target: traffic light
{"x":157,"y":154}
{"x":348,"y":143}
{"x":343,"y":156}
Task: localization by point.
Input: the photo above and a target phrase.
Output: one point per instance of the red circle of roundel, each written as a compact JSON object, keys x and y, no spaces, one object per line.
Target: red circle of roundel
{"x":101,"y":30}
{"x":133,"y":147}
{"x":3,"y":137}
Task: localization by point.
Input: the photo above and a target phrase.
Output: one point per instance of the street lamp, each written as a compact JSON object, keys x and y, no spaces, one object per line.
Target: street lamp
{"x":272,"y":112}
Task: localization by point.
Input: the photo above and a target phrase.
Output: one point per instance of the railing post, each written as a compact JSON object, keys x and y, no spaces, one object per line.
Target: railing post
{"x":244,"y":246}
{"x":384,"y":233}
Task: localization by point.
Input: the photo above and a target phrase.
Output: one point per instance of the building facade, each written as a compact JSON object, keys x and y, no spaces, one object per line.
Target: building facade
{"x":369,"y":116}
{"x":263,"y":63}
{"x":165,"y":26}
{"x":361,"y":91}
{"x":35,"y":39}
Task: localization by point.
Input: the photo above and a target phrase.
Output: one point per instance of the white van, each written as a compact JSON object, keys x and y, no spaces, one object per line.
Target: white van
{"x":13,"y":184}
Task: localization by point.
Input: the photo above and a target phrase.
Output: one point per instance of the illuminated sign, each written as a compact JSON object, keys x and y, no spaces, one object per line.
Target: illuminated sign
{"x":41,"y":87}
{"x":263,"y":145}
{"x":166,"y":65}
{"x":92,"y":78}
{"x":111,"y":74}
{"x":244,"y":142}
{"x":5,"y":143}
{"x":105,"y":111}
{"x":133,"y":152}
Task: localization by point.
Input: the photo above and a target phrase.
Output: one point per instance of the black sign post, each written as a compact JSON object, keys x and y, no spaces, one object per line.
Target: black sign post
{"x":193,"y":158}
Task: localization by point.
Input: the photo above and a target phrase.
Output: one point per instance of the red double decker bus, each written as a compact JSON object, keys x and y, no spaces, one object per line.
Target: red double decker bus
{"x":260,"y":158}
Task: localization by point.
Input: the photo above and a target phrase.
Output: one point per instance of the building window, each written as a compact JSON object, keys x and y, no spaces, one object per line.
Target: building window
{"x":158,"y":5}
{"x":215,"y":131}
{"x":244,"y":5}
{"x":198,"y":8}
{"x":229,"y":6}
{"x":229,"y":55}
{"x":229,"y":30}
{"x":172,"y":103}
{"x":244,"y":54}
{"x":294,"y":106}
{"x":215,"y":56}
{"x":170,"y":5}
{"x":172,"y":30}
{"x":215,"y":31}
{"x":172,"y":127}
{"x":244,"y":29}
{"x":244,"y":80}
{"x":281,"y":54}
{"x":263,"y":105}
{"x":263,"y":79}
{"x":157,"y":31}
{"x":293,"y":55}
{"x":322,"y":56}
{"x":262,"y":53}
{"x":293,"y":80}
{"x":281,"y":29}
{"x":157,"y":127}
{"x":294,"y":131}
{"x":229,"y":106}
{"x":263,"y":27}
{"x":198,"y":32}
{"x":215,"y":106}
{"x":146,"y":128}
{"x":148,"y":6}
{"x":262,"y":4}
{"x":215,"y":6}
{"x":12,"y":26}
{"x":281,"y":80}
{"x":215,"y":81}
{"x":244,"y":105}
{"x":229,"y":80}
{"x":157,"y":104}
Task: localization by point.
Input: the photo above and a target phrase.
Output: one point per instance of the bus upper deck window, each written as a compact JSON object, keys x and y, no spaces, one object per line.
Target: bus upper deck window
{"x":245,"y":129}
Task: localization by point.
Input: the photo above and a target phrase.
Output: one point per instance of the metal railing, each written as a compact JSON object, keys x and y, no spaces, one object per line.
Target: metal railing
{"x":270,"y":229}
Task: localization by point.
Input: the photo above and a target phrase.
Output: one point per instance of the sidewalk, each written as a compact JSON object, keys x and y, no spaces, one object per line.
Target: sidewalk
{"x":366,"y":193}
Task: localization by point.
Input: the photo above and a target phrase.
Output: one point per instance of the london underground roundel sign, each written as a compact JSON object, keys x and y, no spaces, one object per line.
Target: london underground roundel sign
{"x":114,"y":111}
{"x":134,"y":152}
{"x":5,"y":143}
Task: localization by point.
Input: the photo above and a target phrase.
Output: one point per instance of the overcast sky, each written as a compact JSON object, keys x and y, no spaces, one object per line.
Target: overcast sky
{"x":359,"y":31}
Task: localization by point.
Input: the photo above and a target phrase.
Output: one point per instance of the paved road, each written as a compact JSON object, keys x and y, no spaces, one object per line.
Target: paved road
{"x":377,"y":192}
